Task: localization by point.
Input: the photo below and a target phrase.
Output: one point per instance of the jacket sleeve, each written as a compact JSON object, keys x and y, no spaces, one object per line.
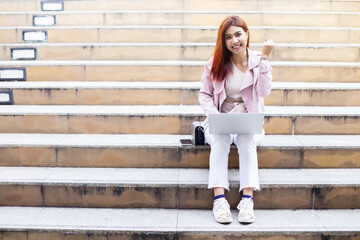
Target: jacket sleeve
{"x":263,"y":84}
{"x":206,"y":93}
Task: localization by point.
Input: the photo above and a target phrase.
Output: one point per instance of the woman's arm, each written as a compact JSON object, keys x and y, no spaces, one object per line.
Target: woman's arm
{"x":206,"y":97}
{"x":263,"y":86}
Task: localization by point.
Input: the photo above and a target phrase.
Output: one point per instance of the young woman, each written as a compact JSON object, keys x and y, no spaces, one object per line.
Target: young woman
{"x":235,"y":80}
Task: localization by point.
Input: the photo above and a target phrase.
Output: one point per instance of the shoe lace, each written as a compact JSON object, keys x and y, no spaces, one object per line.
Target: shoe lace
{"x":222,"y":207}
{"x":245,"y":206}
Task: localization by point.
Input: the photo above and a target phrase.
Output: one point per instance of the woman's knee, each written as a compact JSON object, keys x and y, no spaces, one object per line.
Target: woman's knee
{"x":220,"y":140}
{"x":246,"y":140}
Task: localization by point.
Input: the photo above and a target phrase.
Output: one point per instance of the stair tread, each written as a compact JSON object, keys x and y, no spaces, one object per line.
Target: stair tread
{"x":164,"y":141}
{"x":173,"y":220}
{"x":184,"y":44}
{"x":167,"y":110}
{"x":199,"y":27}
{"x":168,"y":85}
{"x":165,"y":63}
{"x":167,"y":177}
{"x":114,"y":85}
{"x":186,"y":12}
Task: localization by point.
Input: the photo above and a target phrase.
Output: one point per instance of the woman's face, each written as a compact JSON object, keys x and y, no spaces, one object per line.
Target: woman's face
{"x":236,"y":39}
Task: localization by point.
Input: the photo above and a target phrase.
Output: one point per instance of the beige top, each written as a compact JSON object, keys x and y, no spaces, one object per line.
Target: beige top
{"x":233,"y":101}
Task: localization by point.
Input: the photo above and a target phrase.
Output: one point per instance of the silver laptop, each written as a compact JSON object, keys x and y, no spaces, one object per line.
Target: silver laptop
{"x":236,"y":123}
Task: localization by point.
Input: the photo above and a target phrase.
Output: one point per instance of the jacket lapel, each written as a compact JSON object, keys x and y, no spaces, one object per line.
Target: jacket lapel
{"x":218,"y":86}
{"x":253,"y":61}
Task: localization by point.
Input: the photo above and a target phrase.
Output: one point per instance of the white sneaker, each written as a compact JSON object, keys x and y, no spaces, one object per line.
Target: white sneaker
{"x":246,"y":211}
{"x":221,"y":211}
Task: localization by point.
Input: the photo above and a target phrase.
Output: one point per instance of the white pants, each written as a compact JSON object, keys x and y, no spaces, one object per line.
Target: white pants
{"x":248,"y":162}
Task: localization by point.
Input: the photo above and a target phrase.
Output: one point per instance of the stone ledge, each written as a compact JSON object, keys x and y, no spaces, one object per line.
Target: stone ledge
{"x":168,"y":110}
{"x":181,"y":27}
{"x":166,"y":63}
{"x":186,"y":11}
{"x":169,"y":141}
{"x":161,"y":221}
{"x":170,"y":85}
{"x":195,"y":44}
{"x":168,"y":177}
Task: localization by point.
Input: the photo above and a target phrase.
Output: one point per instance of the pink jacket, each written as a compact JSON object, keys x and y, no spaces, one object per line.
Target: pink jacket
{"x":256,"y":85}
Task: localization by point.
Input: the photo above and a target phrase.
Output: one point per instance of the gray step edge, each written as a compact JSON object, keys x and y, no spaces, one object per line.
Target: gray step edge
{"x":167,"y":177}
{"x":168,"y":141}
{"x":170,"y":221}
{"x":167,"y":63}
{"x":180,"y":12}
{"x":170,"y":85}
{"x":282,"y":45}
{"x":177,"y":27}
{"x":168,"y":110}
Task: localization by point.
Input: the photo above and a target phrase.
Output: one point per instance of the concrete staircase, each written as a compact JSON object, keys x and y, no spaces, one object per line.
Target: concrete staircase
{"x":95,"y":145}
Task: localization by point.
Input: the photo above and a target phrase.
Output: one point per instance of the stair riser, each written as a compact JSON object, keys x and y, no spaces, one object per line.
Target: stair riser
{"x":192,"y":53}
{"x":184,"y":197}
{"x":188,"y":19}
{"x":176,"y":35}
{"x":174,"y":97}
{"x":217,"y":5}
{"x":105,"y":97}
{"x":173,"y":157}
{"x":179,"y":73}
{"x":160,"y":124}
{"x":320,"y":98}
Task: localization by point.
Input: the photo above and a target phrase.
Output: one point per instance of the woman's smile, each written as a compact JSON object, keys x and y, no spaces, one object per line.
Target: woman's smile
{"x":236,"y":47}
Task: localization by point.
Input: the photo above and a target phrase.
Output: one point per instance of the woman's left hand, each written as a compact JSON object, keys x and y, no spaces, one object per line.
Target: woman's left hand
{"x":267,"y":48}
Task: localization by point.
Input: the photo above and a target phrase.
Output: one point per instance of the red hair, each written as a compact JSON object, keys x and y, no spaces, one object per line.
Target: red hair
{"x":221,"y":66}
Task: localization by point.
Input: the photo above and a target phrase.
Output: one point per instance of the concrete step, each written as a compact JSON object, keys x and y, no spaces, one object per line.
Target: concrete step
{"x":264,"y":5}
{"x":172,"y":93}
{"x":161,"y":34}
{"x":179,"y":17}
{"x":174,"y":188}
{"x":170,"y":51}
{"x":167,"y":119}
{"x":166,"y":151}
{"x":161,"y":71}
{"x":24,"y":223}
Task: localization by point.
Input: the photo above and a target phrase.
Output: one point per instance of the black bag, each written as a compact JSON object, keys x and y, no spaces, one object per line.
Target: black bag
{"x":197,"y":133}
